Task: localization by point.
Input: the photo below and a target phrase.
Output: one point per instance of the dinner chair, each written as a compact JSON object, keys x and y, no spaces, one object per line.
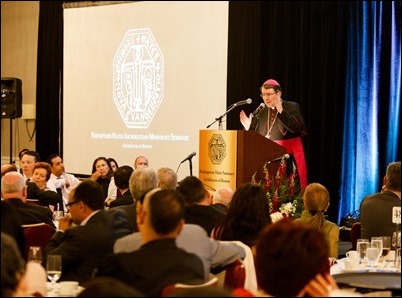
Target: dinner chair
{"x":355,"y":233}
{"x":37,"y":235}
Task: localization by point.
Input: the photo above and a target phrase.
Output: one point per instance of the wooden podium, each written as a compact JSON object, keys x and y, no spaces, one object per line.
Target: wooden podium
{"x":231,"y":157}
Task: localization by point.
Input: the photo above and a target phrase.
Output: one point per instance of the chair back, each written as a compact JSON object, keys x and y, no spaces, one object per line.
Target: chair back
{"x":235,"y":275}
{"x":37,"y":235}
{"x":170,"y":290}
{"x":355,"y":233}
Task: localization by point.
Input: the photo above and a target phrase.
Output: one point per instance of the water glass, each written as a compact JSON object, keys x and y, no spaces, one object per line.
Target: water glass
{"x":53,"y":268}
{"x":377,"y":241}
{"x":361,"y":248}
{"x":35,"y":254}
{"x":56,"y":217}
{"x":372,"y":253}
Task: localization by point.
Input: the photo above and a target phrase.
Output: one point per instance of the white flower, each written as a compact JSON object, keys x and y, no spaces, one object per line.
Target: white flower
{"x":276,"y":216}
{"x":288,"y":208}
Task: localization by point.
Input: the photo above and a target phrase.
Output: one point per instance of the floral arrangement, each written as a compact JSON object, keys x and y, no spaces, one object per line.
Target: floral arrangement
{"x":283,"y":192}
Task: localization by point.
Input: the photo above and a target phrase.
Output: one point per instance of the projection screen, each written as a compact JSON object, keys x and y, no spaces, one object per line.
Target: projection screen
{"x":142,"y":78}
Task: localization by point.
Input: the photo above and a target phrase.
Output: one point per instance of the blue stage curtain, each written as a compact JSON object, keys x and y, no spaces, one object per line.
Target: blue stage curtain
{"x":372,"y":100}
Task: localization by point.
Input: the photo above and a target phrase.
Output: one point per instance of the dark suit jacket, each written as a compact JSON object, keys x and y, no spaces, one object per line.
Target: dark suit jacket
{"x":130,"y":213}
{"x":32,"y":214}
{"x":376,"y":214}
{"x":154,"y":266}
{"x":11,"y":224}
{"x":124,"y":199}
{"x":44,"y":197}
{"x":205,"y":216}
{"x":83,"y":247}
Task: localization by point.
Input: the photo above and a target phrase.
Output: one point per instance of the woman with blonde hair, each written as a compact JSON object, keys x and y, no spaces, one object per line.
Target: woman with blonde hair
{"x":316,"y":202}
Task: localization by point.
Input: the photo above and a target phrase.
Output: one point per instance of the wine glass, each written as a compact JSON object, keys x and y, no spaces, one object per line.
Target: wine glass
{"x":56,"y":217}
{"x":35,"y":254}
{"x":396,"y":243}
{"x":386,"y":246}
{"x":53,"y":268}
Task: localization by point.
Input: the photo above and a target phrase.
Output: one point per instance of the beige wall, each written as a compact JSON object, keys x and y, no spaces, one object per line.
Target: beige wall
{"x":19,"y":39}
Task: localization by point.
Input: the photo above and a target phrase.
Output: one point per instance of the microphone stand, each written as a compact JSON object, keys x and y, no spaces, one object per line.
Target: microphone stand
{"x":221,"y":116}
{"x":191,"y":166}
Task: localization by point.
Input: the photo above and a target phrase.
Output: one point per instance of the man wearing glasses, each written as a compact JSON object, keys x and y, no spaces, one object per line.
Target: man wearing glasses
{"x":87,"y":233}
{"x":280,"y":121}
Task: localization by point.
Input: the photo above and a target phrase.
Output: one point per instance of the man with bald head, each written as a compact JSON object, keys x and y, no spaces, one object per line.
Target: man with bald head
{"x":14,"y":190}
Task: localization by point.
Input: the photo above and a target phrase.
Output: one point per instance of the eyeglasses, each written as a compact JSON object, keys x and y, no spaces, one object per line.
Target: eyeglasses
{"x":267,"y":94}
{"x":71,"y":203}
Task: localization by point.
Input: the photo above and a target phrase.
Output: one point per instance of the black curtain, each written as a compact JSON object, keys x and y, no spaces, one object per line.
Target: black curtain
{"x":303,"y":46}
{"x":49,"y":79}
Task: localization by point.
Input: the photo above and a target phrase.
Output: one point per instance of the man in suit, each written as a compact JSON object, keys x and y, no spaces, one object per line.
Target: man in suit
{"x":14,"y":190}
{"x":376,"y":209}
{"x":198,"y":204}
{"x":121,"y":179}
{"x":159,"y":262}
{"x":83,"y":246}
{"x":141,"y":181}
{"x":214,"y":254}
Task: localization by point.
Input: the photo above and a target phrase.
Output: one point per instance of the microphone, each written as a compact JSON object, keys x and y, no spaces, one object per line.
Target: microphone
{"x":285,"y":156}
{"x":190,"y":156}
{"x":258,"y":110}
{"x":243,"y":102}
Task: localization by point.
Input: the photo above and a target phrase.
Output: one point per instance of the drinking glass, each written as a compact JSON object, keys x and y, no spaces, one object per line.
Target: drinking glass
{"x":396,"y":241}
{"x":53,"y":268}
{"x":35,"y":254}
{"x":377,"y":241}
{"x":361,"y":248}
{"x":56,"y":217}
{"x":386,"y":246}
{"x":373,"y":253}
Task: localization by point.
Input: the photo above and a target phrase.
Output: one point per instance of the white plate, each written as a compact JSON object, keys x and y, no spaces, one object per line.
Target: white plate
{"x":358,"y":270}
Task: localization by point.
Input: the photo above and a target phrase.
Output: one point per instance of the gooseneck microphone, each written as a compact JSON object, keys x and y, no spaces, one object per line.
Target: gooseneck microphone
{"x":285,"y":156}
{"x":243,"y":102}
{"x":190,"y":156}
{"x":258,"y":110}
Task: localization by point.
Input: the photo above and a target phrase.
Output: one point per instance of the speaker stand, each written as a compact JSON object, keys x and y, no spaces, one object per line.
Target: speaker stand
{"x":11,"y":140}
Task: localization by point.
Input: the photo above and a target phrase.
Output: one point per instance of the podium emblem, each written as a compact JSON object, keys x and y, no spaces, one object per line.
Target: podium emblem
{"x":138,"y":73}
{"x":216,"y":149}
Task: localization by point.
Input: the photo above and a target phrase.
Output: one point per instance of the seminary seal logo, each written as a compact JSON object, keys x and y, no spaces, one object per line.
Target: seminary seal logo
{"x":138,"y":81}
{"x":216,"y":149}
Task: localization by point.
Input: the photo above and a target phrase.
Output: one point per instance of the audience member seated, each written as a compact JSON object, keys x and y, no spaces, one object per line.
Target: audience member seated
{"x":316,"y":202}
{"x":292,"y":260}
{"x":113,"y":164}
{"x":141,"y":162}
{"x":102,"y":174}
{"x":14,"y":190}
{"x":158,"y":262}
{"x":63,"y":182}
{"x":198,"y":204}
{"x":247,"y":215}
{"x":38,"y":189}
{"x":141,"y":181}
{"x":214,"y":254}
{"x":121,"y":179}
{"x":19,"y":279}
{"x":221,"y":199}
{"x":83,"y":245}
{"x":28,"y":160}
{"x":108,"y":287}
{"x":8,"y":167}
{"x":11,"y":224}
{"x":167,"y":178}
{"x":376,"y":209}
